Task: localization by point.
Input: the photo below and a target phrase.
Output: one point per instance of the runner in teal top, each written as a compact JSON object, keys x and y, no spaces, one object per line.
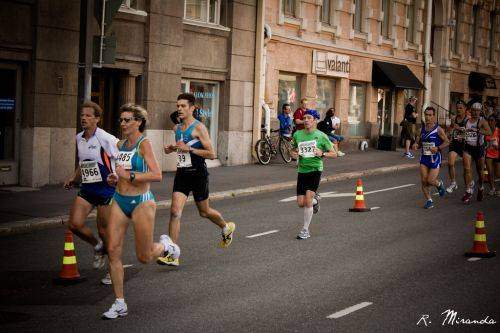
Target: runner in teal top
{"x":310,"y":145}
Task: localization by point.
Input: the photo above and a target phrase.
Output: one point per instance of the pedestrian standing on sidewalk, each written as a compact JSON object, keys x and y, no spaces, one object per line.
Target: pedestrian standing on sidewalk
{"x":432,"y":140}
{"x":409,"y":126}
{"x":96,"y":155}
{"x":475,"y":129}
{"x":311,"y":146}
{"x":133,"y":201}
{"x":457,"y":142}
{"x":193,"y":146}
{"x":493,"y":154}
{"x":298,"y":115}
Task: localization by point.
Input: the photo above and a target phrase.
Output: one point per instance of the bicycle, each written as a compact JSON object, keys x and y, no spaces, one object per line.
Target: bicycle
{"x":268,"y":147}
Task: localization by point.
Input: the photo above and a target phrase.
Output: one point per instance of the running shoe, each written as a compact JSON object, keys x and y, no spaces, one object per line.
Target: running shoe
{"x":303,"y":234}
{"x":429,"y":204}
{"x":118,"y":309}
{"x":168,"y":260}
{"x":227,"y":234}
{"x":107,"y":280}
{"x":466,"y":198}
{"x":480,"y":194}
{"x":99,"y":256}
{"x":340,"y":154}
{"x":453,"y":186}
{"x":441,"y":189}
{"x":409,"y":155}
{"x":316,"y":206}
{"x":492,"y":192}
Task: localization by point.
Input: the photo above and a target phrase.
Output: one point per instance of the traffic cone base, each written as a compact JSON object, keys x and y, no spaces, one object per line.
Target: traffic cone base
{"x":480,"y":255}
{"x":360,"y":209}
{"x":67,"y":282}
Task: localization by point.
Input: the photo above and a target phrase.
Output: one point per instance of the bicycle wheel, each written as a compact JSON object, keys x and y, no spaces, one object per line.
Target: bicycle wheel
{"x":263,"y":150}
{"x":285,"y":150}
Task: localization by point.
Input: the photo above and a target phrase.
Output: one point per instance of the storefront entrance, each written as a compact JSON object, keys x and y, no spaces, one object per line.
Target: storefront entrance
{"x":10,"y":119}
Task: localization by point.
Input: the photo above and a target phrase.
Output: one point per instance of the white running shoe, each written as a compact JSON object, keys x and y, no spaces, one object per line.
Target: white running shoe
{"x":118,"y":309}
{"x":492,"y":192}
{"x":107,"y":280}
{"x":303,"y":234}
{"x":99,"y":256}
{"x":453,"y":186}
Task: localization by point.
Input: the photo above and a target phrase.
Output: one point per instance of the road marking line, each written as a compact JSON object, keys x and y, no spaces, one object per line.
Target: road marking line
{"x":127,"y":266}
{"x":473,"y":259}
{"x":349,"y":310}
{"x":374,"y":208}
{"x":263,"y":233}
{"x":389,"y":189}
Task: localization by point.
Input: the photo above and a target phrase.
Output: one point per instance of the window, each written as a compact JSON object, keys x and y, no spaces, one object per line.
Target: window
{"x":206,"y":11}
{"x":491,"y":53}
{"x":326,"y":95}
{"x":472,"y":32}
{"x":410,"y":15}
{"x":356,"y":115}
{"x":207,"y":100}
{"x":358,"y":16}
{"x":325,"y":12}
{"x":289,"y":90}
{"x":455,"y":28}
{"x":288,"y":7}
{"x":385,"y":30}
{"x":8,"y":96}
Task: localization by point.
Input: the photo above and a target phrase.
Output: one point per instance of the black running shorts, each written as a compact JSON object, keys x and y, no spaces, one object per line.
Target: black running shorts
{"x":94,"y":199}
{"x":308,"y":182}
{"x":457,"y":147}
{"x":185,"y":182}
{"x":475,"y":152}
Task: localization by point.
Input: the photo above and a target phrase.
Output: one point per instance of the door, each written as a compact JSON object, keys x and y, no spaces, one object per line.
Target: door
{"x":10,"y":119}
{"x":385,"y":113}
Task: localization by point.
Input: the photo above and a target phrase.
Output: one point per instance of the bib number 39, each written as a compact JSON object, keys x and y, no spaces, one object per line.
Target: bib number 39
{"x":183,"y":160}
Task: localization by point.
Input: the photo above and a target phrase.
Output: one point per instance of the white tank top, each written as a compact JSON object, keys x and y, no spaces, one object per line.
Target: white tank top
{"x":473,"y":138}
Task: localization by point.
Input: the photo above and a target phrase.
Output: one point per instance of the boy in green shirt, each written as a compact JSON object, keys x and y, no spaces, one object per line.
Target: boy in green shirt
{"x":310,"y":146}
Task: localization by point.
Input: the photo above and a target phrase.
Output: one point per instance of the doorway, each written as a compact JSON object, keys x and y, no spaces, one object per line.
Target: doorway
{"x":385,"y":114}
{"x":10,"y":119}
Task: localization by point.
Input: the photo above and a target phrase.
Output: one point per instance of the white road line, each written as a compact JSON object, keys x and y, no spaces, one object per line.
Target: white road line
{"x":263,"y":233}
{"x":473,"y":259}
{"x":389,"y":189}
{"x":374,"y":208}
{"x":127,"y":266}
{"x":349,"y":310}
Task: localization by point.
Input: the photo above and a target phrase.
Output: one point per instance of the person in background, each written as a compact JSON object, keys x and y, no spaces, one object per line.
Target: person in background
{"x":328,"y":126}
{"x":409,"y":125}
{"x":492,"y":154}
{"x":286,"y":122}
{"x":298,"y":115}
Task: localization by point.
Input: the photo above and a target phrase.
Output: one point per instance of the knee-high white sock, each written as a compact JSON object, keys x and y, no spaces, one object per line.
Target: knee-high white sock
{"x":308,"y":214}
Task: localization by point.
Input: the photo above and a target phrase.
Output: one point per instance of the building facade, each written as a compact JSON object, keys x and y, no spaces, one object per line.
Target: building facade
{"x":156,"y":50}
{"x":366,"y":57}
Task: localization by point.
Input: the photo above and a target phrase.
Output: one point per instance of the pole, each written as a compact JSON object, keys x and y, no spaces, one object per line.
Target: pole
{"x":258,"y":98}
{"x":427,"y":55}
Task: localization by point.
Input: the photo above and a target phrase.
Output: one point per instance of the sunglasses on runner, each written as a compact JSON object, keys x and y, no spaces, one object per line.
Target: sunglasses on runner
{"x":126,"y":120}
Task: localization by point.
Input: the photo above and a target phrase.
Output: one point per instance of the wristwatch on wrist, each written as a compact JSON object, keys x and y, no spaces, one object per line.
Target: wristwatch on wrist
{"x":132,"y":176}
{"x":323,"y":154}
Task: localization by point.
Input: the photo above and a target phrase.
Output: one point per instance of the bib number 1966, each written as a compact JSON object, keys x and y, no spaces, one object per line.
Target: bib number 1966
{"x":90,"y":172}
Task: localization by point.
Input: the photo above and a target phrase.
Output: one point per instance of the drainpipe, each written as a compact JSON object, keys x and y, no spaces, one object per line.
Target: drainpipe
{"x":427,"y":55}
{"x":258,"y":91}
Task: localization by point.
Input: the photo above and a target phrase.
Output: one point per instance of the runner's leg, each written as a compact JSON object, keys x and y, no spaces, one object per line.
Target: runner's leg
{"x":143,"y":218}
{"x":78,"y":213}
{"x":174,"y":226}
{"x":424,"y":172}
{"x":115,"y":234}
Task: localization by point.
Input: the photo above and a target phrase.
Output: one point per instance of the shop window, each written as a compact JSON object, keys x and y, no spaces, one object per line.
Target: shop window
{"x":205,"y":11}
{"x":289,"y":90}
{"x":207,"y":103}
{"x":386,"y":24}
{"x":7,"y":113}
{"x":325,"y":12}
{"x":357,"y":107}
{"x":357,"y":22}
{"x":326,"y":95}
{"x":410,"y":16}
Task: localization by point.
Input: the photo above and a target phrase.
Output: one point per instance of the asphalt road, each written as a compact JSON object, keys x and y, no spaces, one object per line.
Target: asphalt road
{"x":400,"y":262}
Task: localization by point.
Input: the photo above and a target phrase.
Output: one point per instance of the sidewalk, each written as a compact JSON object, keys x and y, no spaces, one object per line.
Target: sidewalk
{"x":24,"y":211}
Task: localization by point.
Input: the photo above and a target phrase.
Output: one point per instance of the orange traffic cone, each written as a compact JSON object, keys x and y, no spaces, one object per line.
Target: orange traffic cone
{"x":480,"y":249}
{"x":359,"y":202}
{"x":69,"y":273}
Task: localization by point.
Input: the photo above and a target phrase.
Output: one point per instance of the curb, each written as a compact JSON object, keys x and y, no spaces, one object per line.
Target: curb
{"x":27,"y":226}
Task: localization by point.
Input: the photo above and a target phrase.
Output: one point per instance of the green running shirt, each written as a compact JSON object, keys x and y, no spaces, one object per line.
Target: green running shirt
{"x":307,"y":143}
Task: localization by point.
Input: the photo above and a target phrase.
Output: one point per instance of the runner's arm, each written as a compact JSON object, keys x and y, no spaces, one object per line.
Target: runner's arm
{"x":154,"y":173}
{"x":417,"y":142}
{"x":484,"y":128}
{"x":443,"y":137}
{"x":204,"y":137}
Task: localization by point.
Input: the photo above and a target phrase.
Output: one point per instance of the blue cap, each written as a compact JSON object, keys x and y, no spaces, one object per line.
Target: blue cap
{"x":313,"y":113}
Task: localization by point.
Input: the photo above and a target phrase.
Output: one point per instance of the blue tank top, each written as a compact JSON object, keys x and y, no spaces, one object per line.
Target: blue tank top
{"x":430,"y":138}
{"x":198,"y":162}
{"x":130,"y":157}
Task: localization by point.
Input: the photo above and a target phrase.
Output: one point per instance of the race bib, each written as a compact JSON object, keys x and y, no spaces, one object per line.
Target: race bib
{"x":183,"y":160}
{"x":90,"y":172}
{"x":458,"y":134}
{"x":307,"y":149}
{"x":125,"y":159}
{"x":471,"y":137}
{"x":426,"y":147}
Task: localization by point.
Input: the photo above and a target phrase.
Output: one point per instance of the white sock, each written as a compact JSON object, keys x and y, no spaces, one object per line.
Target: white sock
{"x":315,"y":202}
{"x":120,"y":301}
{"x":308,"y":213}
{"x":99,"y":245}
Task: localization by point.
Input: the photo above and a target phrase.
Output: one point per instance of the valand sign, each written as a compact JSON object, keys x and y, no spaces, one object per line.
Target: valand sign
{"x":331,"y":64}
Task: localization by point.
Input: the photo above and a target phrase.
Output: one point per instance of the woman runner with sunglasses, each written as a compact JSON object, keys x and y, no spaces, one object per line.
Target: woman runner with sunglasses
{"x":136,"y":168}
